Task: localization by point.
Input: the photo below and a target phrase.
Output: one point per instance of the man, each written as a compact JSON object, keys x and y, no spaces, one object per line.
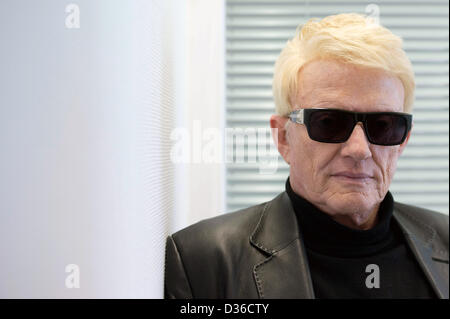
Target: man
{"x":343,"y":90}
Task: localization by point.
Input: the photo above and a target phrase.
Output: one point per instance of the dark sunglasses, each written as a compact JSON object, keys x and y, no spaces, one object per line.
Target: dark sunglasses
{"x":336,"y":126}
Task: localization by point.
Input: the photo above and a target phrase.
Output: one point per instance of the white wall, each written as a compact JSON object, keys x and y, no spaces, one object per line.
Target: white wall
{"x":205,"y":97}
{"x":85,"y":121}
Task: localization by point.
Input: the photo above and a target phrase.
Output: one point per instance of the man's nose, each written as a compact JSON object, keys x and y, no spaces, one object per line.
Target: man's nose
{"x":357,"y":145}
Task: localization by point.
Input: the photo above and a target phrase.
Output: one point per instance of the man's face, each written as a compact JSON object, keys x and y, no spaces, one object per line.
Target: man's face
{"x":346,"y":180}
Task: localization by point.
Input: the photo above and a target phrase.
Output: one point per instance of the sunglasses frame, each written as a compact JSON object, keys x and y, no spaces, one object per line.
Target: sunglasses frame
{"x":302,"y":116}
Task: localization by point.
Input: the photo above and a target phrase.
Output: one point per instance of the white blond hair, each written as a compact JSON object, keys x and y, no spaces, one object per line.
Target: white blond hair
{"x":349,"y":38}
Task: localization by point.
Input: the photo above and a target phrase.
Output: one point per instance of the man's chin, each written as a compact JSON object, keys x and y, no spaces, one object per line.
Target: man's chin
{"x":352,"y":203}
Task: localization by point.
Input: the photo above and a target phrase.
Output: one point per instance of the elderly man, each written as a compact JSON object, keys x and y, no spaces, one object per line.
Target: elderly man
{"x":343,"y":90}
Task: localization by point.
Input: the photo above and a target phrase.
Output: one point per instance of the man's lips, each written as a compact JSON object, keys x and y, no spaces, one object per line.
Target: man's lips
{"x":352,"y":176}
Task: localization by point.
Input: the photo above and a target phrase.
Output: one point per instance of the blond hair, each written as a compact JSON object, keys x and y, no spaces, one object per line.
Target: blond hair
{"x":349,"y":38}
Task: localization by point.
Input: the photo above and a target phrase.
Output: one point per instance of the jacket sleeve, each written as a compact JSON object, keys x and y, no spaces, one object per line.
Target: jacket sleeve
{"x":176,"y":284}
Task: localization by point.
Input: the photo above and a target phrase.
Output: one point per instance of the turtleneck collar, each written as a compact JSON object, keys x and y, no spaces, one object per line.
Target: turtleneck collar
{"x":323,"y":235}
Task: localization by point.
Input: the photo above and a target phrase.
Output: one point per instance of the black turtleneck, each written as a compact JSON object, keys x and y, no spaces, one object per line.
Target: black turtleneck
{"x":338,"y":255}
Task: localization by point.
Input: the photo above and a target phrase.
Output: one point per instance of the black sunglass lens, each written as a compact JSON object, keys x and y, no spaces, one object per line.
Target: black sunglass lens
{"x":386,"y":129}
{"x":330,"y":126}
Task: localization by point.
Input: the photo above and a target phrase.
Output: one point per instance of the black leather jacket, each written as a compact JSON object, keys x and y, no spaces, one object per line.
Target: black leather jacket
{"x":258,"y":253}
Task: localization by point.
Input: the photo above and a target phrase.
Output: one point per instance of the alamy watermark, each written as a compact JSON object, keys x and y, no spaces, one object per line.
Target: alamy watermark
{"x":72,"y":20}
{"x":373,"y":279}
{"x":73,"y":279}
{"x":373,"y":11}
{"x":231,"y":145}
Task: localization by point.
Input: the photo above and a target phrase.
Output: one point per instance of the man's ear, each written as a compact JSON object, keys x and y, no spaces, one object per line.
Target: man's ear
{"x":279,"y":134}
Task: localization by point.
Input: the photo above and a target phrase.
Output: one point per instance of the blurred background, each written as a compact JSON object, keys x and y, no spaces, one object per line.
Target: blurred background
{"x":113,"y":121}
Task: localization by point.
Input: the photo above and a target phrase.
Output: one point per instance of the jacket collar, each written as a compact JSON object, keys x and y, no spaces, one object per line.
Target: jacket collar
{"x":284,"y":273}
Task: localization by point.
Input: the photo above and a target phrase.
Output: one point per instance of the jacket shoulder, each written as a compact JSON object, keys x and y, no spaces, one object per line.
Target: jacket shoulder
{"x":201,"y":259}
{"x":230,"y":228}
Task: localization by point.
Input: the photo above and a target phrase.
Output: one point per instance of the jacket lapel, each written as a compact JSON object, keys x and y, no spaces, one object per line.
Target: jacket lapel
{"x":419,"y":238}
{"x":284,"y":272}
